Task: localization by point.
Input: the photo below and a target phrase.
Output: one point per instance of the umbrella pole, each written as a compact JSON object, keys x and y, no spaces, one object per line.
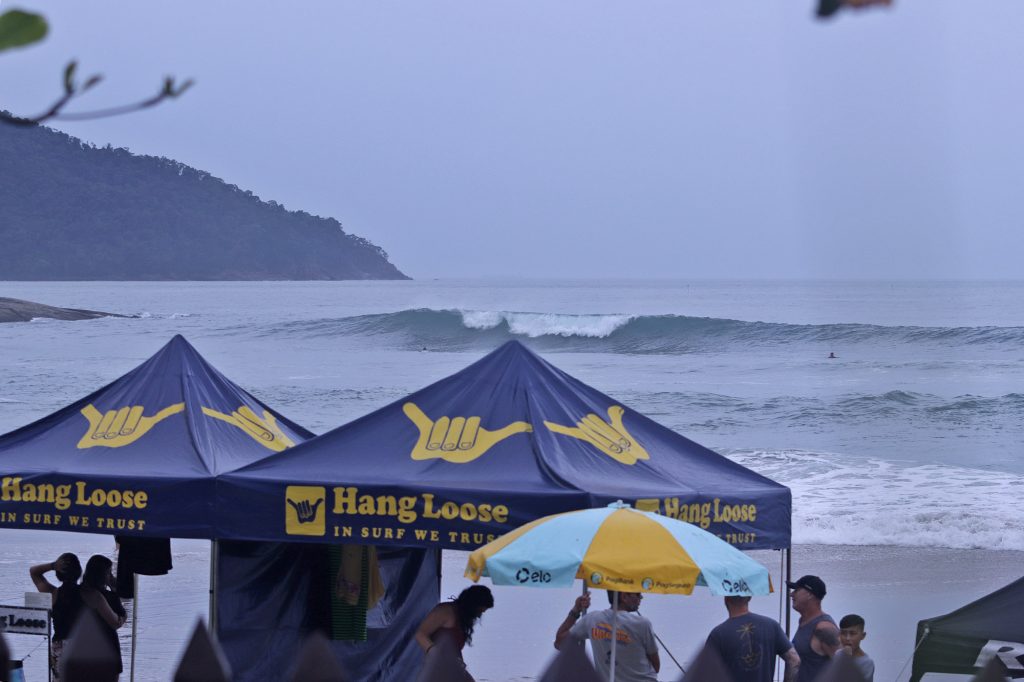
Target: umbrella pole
{"x":615,"y":634}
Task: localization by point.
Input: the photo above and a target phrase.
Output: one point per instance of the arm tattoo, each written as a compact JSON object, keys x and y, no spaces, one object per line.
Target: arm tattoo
{"x":792,"y":666}
{"x":828,"y":637}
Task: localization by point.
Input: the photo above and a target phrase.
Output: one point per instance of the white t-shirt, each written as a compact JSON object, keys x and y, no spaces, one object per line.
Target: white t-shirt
{"x":635,"y":641}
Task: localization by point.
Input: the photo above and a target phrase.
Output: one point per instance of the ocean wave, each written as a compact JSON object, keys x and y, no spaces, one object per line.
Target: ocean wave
{"x":843,"y":501}
{"x":147,"y":315}
{"x":714,"y":412}
{"x":625,"y":333}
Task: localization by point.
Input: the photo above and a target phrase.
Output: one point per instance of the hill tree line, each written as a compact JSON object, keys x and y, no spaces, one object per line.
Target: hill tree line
{"x":72,"y":211}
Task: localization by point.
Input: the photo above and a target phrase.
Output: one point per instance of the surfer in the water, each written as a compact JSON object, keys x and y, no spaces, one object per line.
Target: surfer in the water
{"x":833,"y":356}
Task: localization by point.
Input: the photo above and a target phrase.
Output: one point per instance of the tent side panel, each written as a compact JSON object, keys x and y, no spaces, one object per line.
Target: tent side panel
{"x":948,"y":652}
{"x":272,"y":595}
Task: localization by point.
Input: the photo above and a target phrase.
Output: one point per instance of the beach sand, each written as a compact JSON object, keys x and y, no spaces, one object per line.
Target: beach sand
{"x":892,"y":587}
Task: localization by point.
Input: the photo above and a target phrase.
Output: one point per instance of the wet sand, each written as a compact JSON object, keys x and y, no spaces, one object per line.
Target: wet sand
{"x":892,"y":587}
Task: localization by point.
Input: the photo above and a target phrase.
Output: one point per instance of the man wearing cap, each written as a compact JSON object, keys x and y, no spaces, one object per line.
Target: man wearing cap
{"x":817,"y":637}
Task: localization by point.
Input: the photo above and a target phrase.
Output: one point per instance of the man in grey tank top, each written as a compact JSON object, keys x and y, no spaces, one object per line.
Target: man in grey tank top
{"x":817,"y":637}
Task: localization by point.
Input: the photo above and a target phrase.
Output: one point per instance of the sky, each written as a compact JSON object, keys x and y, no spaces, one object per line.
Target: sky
{"x":582,"y":138}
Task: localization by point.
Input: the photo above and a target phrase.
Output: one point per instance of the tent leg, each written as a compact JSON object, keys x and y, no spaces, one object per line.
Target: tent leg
{"x":783,"y":590}
{"x":135,"y":620}
{"x":439,"y":553}
{"x":615,"y":634}
{"x":214,"y":552}
{"x":789,"y":578}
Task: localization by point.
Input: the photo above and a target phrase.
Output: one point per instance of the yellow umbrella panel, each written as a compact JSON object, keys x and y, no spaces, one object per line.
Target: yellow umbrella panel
{"x":618,"y":548}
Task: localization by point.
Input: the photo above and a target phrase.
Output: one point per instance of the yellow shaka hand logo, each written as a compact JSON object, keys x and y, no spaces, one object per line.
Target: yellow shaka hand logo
{"x":456,"y":439}
{"x":264,"y":431}
{"x":610,"y":437}
{"x":115,"y":428}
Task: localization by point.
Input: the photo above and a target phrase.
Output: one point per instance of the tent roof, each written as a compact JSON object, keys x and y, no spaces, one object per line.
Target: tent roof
{"x":996,"y":615}
{"x":957,"y":642}
{"x":171,"y":422}
{"x":512,"y":425}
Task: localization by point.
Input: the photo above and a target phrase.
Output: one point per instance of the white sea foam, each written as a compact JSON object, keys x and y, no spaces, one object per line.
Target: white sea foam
{"x":843,"y":501}
{"x":146,"y":315}
{"x":546,"y":324}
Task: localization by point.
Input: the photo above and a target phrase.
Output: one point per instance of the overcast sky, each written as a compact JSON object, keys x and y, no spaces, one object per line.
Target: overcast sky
{"x":583,"y":138}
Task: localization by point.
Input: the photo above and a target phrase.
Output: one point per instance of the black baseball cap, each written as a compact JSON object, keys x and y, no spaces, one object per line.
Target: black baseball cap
{"x":812,"y":584}
{"x":827,"y":8}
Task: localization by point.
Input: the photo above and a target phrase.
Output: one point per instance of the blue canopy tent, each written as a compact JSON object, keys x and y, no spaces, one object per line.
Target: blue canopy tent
{"x":507,"y":440}
{"x":138,"y":457}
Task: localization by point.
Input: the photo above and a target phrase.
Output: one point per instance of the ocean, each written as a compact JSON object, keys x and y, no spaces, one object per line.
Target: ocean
{"x":910,"y":437}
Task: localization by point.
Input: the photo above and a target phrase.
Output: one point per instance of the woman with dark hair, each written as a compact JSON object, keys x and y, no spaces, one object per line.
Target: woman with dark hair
{"x":67,"y":600}
{"x":97,"y":588}
{"x":453,"y":621}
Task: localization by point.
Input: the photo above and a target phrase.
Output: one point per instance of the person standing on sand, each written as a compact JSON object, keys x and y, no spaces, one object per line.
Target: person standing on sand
{"x":98,"y":581}
{"x":817,"y":637}
{"x":452,"y":622}
{"x":66,"y":599}
{"x":748,"y":643}
{"x":636,"y":652}
{"x":851,"y":634}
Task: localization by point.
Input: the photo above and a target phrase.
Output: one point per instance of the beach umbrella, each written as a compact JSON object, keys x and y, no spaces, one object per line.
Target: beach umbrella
{"x":622,"y":549}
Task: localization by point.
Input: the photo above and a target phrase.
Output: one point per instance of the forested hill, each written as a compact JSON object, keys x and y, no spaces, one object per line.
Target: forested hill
{"x":73,"y":211}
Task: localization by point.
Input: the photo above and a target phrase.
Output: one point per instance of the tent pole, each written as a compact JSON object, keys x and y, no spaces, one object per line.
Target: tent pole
{"x":783,"y":589}
{"x":789,"y":577}
{"x":135,"y":619}
{"x":214,"y":551}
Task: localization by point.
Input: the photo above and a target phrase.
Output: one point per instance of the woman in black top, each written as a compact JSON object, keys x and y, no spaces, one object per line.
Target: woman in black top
{"x":67,"y":600}
{"x":98,"y":580}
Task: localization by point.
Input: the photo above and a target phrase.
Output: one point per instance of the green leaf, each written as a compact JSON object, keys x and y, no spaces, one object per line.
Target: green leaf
{"x":69,"y":76}
{"x":19,"y":28}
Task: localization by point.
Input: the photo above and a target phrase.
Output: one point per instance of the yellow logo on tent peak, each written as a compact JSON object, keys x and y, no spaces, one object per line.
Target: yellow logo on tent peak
{"x":456,"y":439}
{"x":304,"y":512}
{"x":264,"y":430}
{"x":610,"y":437}
{"x":124,"y":426}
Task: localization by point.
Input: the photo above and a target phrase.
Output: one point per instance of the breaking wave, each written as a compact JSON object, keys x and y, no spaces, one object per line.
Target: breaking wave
{"x":626,"y":333}
{"x":838,"y":501}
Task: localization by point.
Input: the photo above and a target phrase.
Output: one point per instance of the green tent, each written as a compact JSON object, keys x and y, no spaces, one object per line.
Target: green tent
{"x":966,"y":639}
